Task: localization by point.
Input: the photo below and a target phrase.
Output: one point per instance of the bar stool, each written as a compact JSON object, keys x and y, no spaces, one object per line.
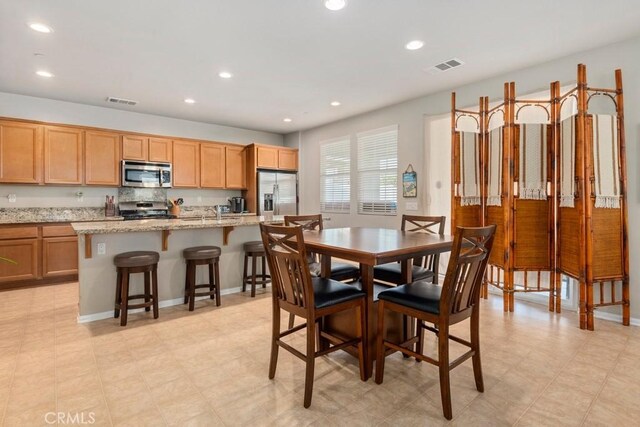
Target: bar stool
{"x":136,"y":262}
{"x":202,"y":255}
{"x":254,"y":250}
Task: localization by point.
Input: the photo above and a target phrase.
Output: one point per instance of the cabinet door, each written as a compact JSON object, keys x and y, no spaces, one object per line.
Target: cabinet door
{"x":186,"y":164}
{"x":267,"y":157}
{"x":59,"y":256}
{"x":102,"y":158}
{"x":236,"y":166}
{"x":212,"y":166}
{"x":288,"y":159}
{"x":25,"y":253}
{"x":62,"y":155}
{"x":135,"y":147}
{"x":20,"y":153}
{"x":159,"y":150}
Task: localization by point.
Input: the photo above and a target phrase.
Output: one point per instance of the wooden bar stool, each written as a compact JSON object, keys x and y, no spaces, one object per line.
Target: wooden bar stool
{"x":136,"y":262}
{"x":202,"y":255}
{"x":254,"y":250}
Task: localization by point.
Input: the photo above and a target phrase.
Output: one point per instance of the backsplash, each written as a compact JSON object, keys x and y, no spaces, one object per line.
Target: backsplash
{"x":128,"y":194}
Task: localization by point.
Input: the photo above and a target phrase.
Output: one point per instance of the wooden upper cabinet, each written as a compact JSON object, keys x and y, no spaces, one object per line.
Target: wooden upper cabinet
{"x":212,"y":166}
{"x":186,"y":164}
{"x":63,"y":155}
{"x":236,"y":167}
{"x":20,"y":152}
{"x":102,"y":158}
{"x":159,"y":150}
{"x":267,"y":157}
{"x":288,"y":159}
{"x":135,"y":147}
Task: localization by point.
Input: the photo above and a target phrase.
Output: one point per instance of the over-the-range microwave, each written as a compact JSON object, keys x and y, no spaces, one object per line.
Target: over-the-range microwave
{"x":146,"y":174}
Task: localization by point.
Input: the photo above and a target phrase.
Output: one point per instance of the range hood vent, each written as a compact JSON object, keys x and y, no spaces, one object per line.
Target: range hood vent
{"x":114,"y":100}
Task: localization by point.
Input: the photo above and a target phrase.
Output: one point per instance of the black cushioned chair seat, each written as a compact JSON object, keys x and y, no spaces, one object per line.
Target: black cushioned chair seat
{"x":201,"y":252}
{"x":136,"y":259}
{"x":327,"y":292}
{"x":422,"y":296}
{"x":256,"y":246}
{"x":391,"y":273}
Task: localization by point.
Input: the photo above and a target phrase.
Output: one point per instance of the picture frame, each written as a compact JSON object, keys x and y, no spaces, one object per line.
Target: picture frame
{"x":409,"y":183}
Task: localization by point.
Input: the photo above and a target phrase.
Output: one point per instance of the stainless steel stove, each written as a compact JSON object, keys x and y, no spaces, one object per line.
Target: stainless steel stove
{"x":144,"y":210}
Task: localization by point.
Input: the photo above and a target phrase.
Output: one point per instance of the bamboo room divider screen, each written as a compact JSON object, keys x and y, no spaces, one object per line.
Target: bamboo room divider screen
{"x":551,"y":174}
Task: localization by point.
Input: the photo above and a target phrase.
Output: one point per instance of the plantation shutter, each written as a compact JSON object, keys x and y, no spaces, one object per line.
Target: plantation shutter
{"x":335,"y":179}
{"x":378,"y":171}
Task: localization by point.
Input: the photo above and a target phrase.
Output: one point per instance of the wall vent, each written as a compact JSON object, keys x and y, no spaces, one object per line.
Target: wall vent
{"x":445,"y":66}
{"x":123,"y":101}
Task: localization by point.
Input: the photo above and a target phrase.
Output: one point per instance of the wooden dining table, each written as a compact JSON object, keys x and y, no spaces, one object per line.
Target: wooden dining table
{"x":370,"y":247}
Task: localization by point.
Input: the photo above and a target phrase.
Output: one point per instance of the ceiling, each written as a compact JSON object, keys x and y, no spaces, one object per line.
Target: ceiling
{"x":289,"y":58}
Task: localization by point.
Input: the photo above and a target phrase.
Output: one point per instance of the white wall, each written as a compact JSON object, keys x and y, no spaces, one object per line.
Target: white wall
{"x":410,"y":117}
{"x":49,"y":110}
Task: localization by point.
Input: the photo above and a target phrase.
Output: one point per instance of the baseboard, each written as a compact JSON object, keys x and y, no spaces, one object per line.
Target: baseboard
{"x":614,"y":317}
{"x":161,"y":304}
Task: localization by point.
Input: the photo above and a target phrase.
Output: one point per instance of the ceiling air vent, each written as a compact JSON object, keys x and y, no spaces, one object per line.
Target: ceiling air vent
{"x":445,"y":66}
{"x":122,"y":101}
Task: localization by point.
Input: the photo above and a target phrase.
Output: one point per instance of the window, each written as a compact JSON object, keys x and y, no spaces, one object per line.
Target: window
{"x":378,"y":171}
{"x":335,"y":180}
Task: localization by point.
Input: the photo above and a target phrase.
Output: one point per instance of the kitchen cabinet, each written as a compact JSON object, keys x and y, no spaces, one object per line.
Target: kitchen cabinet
{"x":63,"y":155}
{"x":135,"y":147}
{"x":186,"y":164}
{"x":143,"y":148}
{"x":287,"y":159}
{"x":159,"y":150}
{"x":59,"y":251}
{"x":20,"y":152}
{"x":267,"y":157}
{"x":102,"y":158}
{"x":212,"y":166}
{"x":235,"y":167}
{"x":43,"y":252}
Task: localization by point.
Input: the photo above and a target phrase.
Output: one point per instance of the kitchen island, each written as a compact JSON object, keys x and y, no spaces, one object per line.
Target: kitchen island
{"x":100,"y":241}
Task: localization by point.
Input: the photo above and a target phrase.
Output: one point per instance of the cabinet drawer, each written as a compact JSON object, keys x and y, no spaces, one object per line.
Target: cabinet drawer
{"x":25,"y":232}
{"x":61,"y":230}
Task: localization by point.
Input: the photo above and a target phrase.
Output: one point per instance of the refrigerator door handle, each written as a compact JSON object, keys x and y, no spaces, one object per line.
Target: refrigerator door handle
{"x":276,"y":200}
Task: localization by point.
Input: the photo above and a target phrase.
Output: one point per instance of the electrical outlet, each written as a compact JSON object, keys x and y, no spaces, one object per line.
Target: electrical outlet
{"x":12,"y":198}
{"x":411,"y":206}
{"x":102,"y":248}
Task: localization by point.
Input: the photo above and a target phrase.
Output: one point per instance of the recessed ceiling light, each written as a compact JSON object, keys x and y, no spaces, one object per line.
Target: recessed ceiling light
{"x":414,"y":45}
{"x":287,"y":120}
{"x":44,"y":73}
{"x":335,"y":103}
{"x":225,"y":74}
{"x":190,"y":101}
{"x":335,"y":4}
{"x":41,"y":28}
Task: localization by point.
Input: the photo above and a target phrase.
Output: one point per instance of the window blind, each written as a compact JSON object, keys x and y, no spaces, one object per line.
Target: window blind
{"x":335,"y":179}
{"x":378,"y":171}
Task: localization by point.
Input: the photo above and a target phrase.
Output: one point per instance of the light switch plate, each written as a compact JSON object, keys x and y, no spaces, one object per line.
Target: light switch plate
{"x":411,"y":206}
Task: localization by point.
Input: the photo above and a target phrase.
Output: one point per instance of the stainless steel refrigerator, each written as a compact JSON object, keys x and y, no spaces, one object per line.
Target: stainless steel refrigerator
{"x":277,"y":193}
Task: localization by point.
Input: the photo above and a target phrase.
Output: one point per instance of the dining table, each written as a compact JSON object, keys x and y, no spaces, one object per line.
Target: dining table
{"x":370,"y":247}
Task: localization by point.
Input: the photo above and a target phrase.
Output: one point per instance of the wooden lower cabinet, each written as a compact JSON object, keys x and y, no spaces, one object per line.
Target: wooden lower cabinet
{"x":25,"y":253}
{"x":59,"y":256}
{"x":43,"y":253}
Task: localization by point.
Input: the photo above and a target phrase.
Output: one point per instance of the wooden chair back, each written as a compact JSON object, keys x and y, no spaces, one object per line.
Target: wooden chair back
{"x":307,"y":222}
{"x":465,"y":272}
{"x":425,"y":224}
{"x":287,"y":258}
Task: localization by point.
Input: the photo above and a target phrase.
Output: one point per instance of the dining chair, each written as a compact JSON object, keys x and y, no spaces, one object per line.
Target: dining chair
{"x":456,"y":300}
{"x":294,"y":291}
{"x":424,"y":267}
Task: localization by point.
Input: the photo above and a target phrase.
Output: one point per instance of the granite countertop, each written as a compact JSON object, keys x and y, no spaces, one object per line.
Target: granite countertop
{"x":39,"y":215}
{"x":107,"y":227}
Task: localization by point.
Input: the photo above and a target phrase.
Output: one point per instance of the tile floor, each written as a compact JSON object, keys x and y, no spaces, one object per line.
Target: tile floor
{"x":210,"y":368}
